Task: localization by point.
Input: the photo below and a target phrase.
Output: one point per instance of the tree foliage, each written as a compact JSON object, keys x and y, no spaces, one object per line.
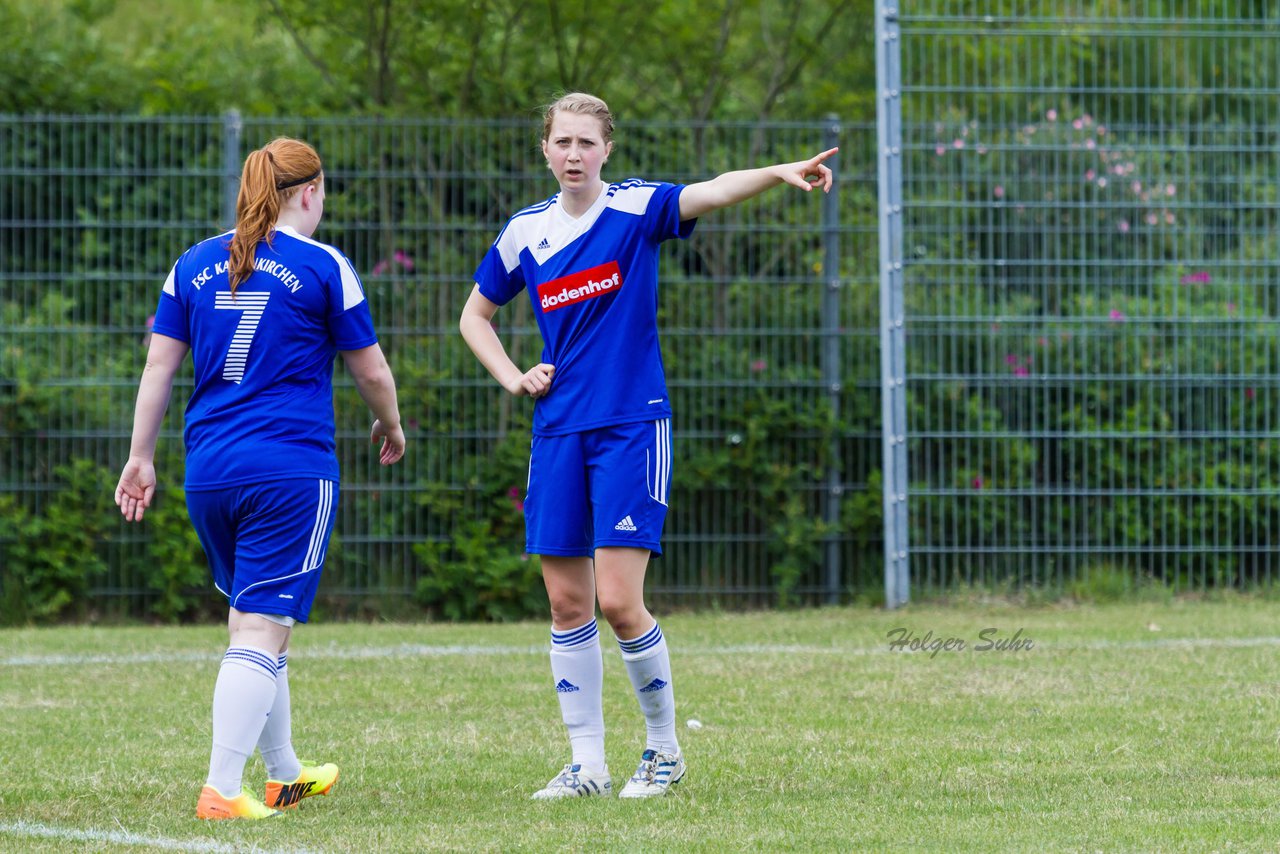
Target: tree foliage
{"x":728,"y":59}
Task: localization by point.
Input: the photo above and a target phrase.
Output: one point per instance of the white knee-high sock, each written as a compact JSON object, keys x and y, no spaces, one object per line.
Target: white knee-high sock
{"x":276,"y":741}
{"x":649,"y":667}
{"x":578,"y":670}
{"x":243,"y":695}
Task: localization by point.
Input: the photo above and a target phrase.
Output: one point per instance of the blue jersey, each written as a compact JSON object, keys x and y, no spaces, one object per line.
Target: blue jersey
{"x":262,"y":407}
{"x":593,"y":282}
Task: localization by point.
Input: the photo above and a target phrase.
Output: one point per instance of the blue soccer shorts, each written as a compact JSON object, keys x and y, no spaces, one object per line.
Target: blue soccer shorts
{"x":266,"y":542}
{"x":602,"y":487}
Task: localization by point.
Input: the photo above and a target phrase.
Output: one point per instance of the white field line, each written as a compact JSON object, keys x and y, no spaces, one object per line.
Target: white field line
{"x":38,"y":830}
{"x":444,"y":651}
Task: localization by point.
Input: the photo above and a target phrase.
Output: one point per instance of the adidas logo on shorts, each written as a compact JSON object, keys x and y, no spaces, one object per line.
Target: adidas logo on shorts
{"x":625,"y":525}
{"x":544,"y":244}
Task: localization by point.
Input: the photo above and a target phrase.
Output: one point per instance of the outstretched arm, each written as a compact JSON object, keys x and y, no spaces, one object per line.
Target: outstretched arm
{"x":733,"y":187}
{"x":476,"y":325}
{"x":137,"y":483}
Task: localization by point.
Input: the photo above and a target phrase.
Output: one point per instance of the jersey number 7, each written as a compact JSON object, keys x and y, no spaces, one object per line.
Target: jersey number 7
{"x":251,"y":305}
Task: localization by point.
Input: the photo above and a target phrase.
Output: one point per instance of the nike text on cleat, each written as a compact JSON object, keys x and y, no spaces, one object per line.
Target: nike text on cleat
{"x":625,"y":525}
{"x":214,"y":807}
{"x":655,"y":775}
{"x":312,"y":780}
{"x":574,"y":782}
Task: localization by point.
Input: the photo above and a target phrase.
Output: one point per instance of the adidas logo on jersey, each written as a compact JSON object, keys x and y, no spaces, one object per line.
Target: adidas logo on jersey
{"x":544,"y":244}
{"x":564,"y":686}
{"x":625,"y":525}
{"x":655,"y":685}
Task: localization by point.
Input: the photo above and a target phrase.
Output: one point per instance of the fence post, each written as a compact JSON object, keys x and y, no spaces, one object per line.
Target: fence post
{"x":831,"y":368}
{"x":231,"y":128}
{"x":893,"y":405}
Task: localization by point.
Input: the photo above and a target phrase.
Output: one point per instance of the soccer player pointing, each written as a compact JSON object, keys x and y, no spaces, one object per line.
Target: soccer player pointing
{"x":600,"y":461}
{"x":263,"y":310}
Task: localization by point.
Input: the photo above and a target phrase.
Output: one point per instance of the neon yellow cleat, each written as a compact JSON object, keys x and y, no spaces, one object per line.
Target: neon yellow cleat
{"x":214,"y":805}
{"x":311,"y":781}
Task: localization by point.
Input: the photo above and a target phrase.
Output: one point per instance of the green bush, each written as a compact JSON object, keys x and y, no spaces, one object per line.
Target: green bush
{"x":50,"y":556}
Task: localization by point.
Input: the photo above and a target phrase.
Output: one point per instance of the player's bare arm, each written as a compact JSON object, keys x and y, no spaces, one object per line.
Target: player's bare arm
{"x":734,"y":187}
{"x":476,"y":325}
{"x":137,"y":484}
{"x":377,"y":388}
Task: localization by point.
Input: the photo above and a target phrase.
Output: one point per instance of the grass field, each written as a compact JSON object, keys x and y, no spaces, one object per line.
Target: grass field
{"x":1147,"y":727}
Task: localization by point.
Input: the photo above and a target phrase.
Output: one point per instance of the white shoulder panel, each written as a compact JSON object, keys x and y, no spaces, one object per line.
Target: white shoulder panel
{"x":631,"y":196}
{"x":520,"y":233}
{"x":352,"y":294}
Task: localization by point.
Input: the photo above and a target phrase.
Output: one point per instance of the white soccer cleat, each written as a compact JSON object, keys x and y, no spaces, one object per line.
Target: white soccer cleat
{"x":574,"y":782}
{"x":655,"y":775}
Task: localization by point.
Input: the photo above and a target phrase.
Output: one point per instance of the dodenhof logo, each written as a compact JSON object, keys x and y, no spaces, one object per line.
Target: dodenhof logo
{"x":583,"y":285}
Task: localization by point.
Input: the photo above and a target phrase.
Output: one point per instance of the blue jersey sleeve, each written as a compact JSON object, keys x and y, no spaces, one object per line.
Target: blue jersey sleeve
{"x":171,"y":314}
{"x":498,"y":284}
{"x":350,"y":322}
{"x":662,"y":216}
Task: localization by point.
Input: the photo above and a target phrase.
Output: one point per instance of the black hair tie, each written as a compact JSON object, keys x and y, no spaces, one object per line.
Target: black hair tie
{"x":284,"y":185}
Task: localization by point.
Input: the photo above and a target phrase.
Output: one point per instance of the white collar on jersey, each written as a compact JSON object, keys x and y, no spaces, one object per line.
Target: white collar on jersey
{"x":590,"y":213}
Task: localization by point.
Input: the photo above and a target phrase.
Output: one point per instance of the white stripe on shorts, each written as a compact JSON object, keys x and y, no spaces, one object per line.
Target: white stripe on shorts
{"x":660,"y":479}
{"x":319,"y":543}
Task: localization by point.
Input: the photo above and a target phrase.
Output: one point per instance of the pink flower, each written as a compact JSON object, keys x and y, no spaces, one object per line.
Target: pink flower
{"x":997,"y":191}
{"x":1123,"y":225}
{"x":940,"y":150}
{"x":977,"y":482}
{"x":380,"y":267}
{"x":1021,"y":371}
{"x":758,"y":365}
{"x":1117,"y":315}
{"x":1136,"y":186}
{"x":959,"y":143}
{"x":1042,"y":341}
{"x":1152,"y":219}
{"x":513,"y":492}
{"x":1168,"y":217}
{"x":1231,"y":308}
{"x":1078,"y":124}
{"x":1090,"y":175}
{"x":1248,"y":393}
{"x":1200,"y":278}
{"x":1102,"y":182}
{"x":1087,"y":119}
{"x":404,"y":260}
{"x":1010,"y":359}
{"x":1170,"y":190}
{"x":1090,"y":144}
{"x":1102,"y":131}
{"x":1051,"y":115}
